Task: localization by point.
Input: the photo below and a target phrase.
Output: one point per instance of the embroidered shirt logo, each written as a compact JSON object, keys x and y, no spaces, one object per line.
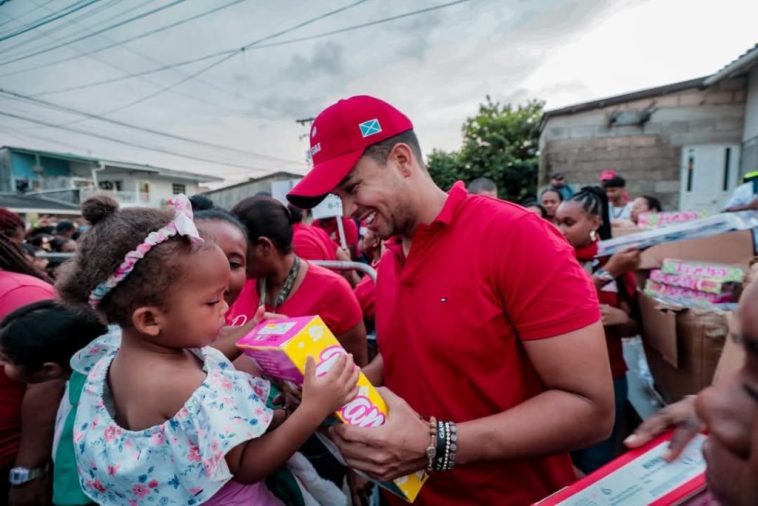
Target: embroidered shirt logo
{"x":370,"y":127}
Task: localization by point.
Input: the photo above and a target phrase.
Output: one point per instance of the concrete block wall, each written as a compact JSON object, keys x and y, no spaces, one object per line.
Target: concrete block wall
{"x":582,"y":144}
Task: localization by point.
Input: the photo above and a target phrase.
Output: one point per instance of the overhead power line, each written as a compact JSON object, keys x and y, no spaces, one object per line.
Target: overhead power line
{"x":122,"y":42}
{"x":246,"y":48}
{"x":203,"y":100}
{"x":92,"y":34}
{"x":132,"y":144}
{"x":48,"y":19}
{"x":167,"y":135}
{"x":227,"y":57}
{"x":8,"y":51}
{"x":23,"y":14}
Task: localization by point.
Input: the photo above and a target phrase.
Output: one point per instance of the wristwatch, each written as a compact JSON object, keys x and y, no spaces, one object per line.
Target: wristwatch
{"x":604,"y":276}
{"x":21,"y":475}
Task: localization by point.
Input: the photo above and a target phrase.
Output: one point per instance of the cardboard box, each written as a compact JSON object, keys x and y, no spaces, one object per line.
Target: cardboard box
{"x":729,"y":248}
{"x":640,"y":477}
{"x":708,"y":227}
{"x":682,"y":346}
{"x":281,"y":348}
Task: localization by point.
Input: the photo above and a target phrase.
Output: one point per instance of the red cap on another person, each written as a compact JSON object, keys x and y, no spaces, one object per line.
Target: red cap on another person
{"x":339,"y":136}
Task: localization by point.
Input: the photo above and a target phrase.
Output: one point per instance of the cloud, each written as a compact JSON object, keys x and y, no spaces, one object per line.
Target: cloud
{"x":326,"y":59}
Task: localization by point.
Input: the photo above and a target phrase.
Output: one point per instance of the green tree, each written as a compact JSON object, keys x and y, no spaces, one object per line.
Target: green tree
{"x":500,"y":143}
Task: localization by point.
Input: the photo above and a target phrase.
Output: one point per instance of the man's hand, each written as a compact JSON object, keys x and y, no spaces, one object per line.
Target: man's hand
{"x":395,"y":449}
{"x":680,"y":416}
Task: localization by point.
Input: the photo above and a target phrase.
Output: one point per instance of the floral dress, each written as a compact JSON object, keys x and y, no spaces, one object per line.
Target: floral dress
{"x":180,"y":461}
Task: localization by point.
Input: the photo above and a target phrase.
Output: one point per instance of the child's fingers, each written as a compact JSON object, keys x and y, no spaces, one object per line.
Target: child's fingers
{"x":347,"y":369}
{"x":352,"y":394}
{"x":310,"y":367}
{"x":353,"y":374}
{"x":338,"y":367}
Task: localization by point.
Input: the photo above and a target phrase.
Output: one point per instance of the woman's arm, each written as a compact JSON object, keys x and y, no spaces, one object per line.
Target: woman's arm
{"x":354,"y":342}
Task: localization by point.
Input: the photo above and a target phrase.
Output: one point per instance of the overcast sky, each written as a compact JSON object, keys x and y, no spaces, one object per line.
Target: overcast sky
{"x":436,"y":66}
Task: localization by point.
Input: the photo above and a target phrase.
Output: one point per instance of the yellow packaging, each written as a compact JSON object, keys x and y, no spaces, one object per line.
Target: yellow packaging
{"x":281,"y":347}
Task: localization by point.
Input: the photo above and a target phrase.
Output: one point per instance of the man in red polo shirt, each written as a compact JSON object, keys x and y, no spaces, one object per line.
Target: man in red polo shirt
{"x":484,"y":318}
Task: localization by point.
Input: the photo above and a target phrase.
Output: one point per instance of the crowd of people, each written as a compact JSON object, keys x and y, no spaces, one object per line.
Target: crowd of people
{"x":499,"y":341}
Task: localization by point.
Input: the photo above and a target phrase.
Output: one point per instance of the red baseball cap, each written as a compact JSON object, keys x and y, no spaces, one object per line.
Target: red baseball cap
{"x":339,"y":136}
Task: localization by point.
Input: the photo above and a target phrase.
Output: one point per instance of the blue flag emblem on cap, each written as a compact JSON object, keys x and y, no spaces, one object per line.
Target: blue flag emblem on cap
{"x":370,"y":127}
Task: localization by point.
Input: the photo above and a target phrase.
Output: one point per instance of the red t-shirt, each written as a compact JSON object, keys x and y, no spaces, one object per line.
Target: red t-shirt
{"x":351,"y":232}
{"x":312,"y":243}
{"x":365,"y":292}
{"x":16,"y":290}
{"x":609,"y":294}
{"x":321,"y":293}
{"x":442,"y":318}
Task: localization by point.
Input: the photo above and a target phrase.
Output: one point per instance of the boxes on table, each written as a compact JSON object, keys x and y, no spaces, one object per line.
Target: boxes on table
{"x":281,"y":348}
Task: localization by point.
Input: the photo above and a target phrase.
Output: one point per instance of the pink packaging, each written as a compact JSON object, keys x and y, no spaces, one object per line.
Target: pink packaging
{"x":712,"y":271}
{"x":659,"y":220}
{"x":654,"y":288}
{"x":685,"y":281}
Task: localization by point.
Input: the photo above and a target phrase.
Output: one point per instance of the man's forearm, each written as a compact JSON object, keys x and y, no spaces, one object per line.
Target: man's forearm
{"x":552,"y":422}
{"x":40,"y":405}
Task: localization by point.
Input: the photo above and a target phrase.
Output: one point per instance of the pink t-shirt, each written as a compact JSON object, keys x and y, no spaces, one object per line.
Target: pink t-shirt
{"x":16,"y":290}
{"x":321,"y":293}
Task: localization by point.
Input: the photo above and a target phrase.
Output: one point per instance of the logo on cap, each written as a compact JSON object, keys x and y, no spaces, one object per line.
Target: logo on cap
{"x":370,"y":127}
{"x":313,"y":132}
{"x":316,"y":148}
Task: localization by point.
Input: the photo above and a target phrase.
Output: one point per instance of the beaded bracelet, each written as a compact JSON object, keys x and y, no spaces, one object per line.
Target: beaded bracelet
{"x":446,"y":446}
{"x":431,"y":450}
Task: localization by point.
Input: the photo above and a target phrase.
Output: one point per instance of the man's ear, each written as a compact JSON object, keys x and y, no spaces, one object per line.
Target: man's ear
{"x":402,"y":155}
{"x":148,"y":320}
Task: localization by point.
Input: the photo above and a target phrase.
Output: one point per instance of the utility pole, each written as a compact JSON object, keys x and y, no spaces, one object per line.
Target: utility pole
{"x":305,"y":122}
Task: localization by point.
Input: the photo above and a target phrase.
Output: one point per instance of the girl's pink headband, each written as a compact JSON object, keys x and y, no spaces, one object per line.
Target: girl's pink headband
{"x":182,"y":224}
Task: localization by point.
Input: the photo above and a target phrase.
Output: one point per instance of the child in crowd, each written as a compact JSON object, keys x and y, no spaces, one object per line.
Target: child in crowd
{"x":164,"y":418}
{"x":583,"y":220}
{"x":38,"y":340}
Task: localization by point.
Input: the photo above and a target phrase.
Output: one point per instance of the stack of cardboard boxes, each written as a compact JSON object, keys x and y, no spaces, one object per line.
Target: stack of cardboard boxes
{"x":683,"y":344}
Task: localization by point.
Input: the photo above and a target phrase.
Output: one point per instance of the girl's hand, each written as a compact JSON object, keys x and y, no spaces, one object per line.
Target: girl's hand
{"x":622,"y":262}
{"x":328,"y":392}
{"x":612,"y":315}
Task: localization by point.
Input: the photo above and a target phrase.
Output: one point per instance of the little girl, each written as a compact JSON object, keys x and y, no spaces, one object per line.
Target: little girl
{"x":164,"y":418}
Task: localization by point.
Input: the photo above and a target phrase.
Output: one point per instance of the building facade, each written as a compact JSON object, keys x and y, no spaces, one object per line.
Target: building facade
{"x":229,"y":196}
{"x":69,"y":178}
{"x":687,"y":143}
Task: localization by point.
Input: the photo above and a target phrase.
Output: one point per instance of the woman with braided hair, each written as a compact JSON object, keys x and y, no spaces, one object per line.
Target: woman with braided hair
{"x":584,"y":220}
{"x":24,"y":453}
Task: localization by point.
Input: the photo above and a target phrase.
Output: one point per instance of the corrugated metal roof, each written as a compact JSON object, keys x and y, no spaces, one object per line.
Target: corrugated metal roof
{"x":742,"y":64}
{"x":280,"y":173}
{"x":620,"y":99}
{"x":29,"y":203}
